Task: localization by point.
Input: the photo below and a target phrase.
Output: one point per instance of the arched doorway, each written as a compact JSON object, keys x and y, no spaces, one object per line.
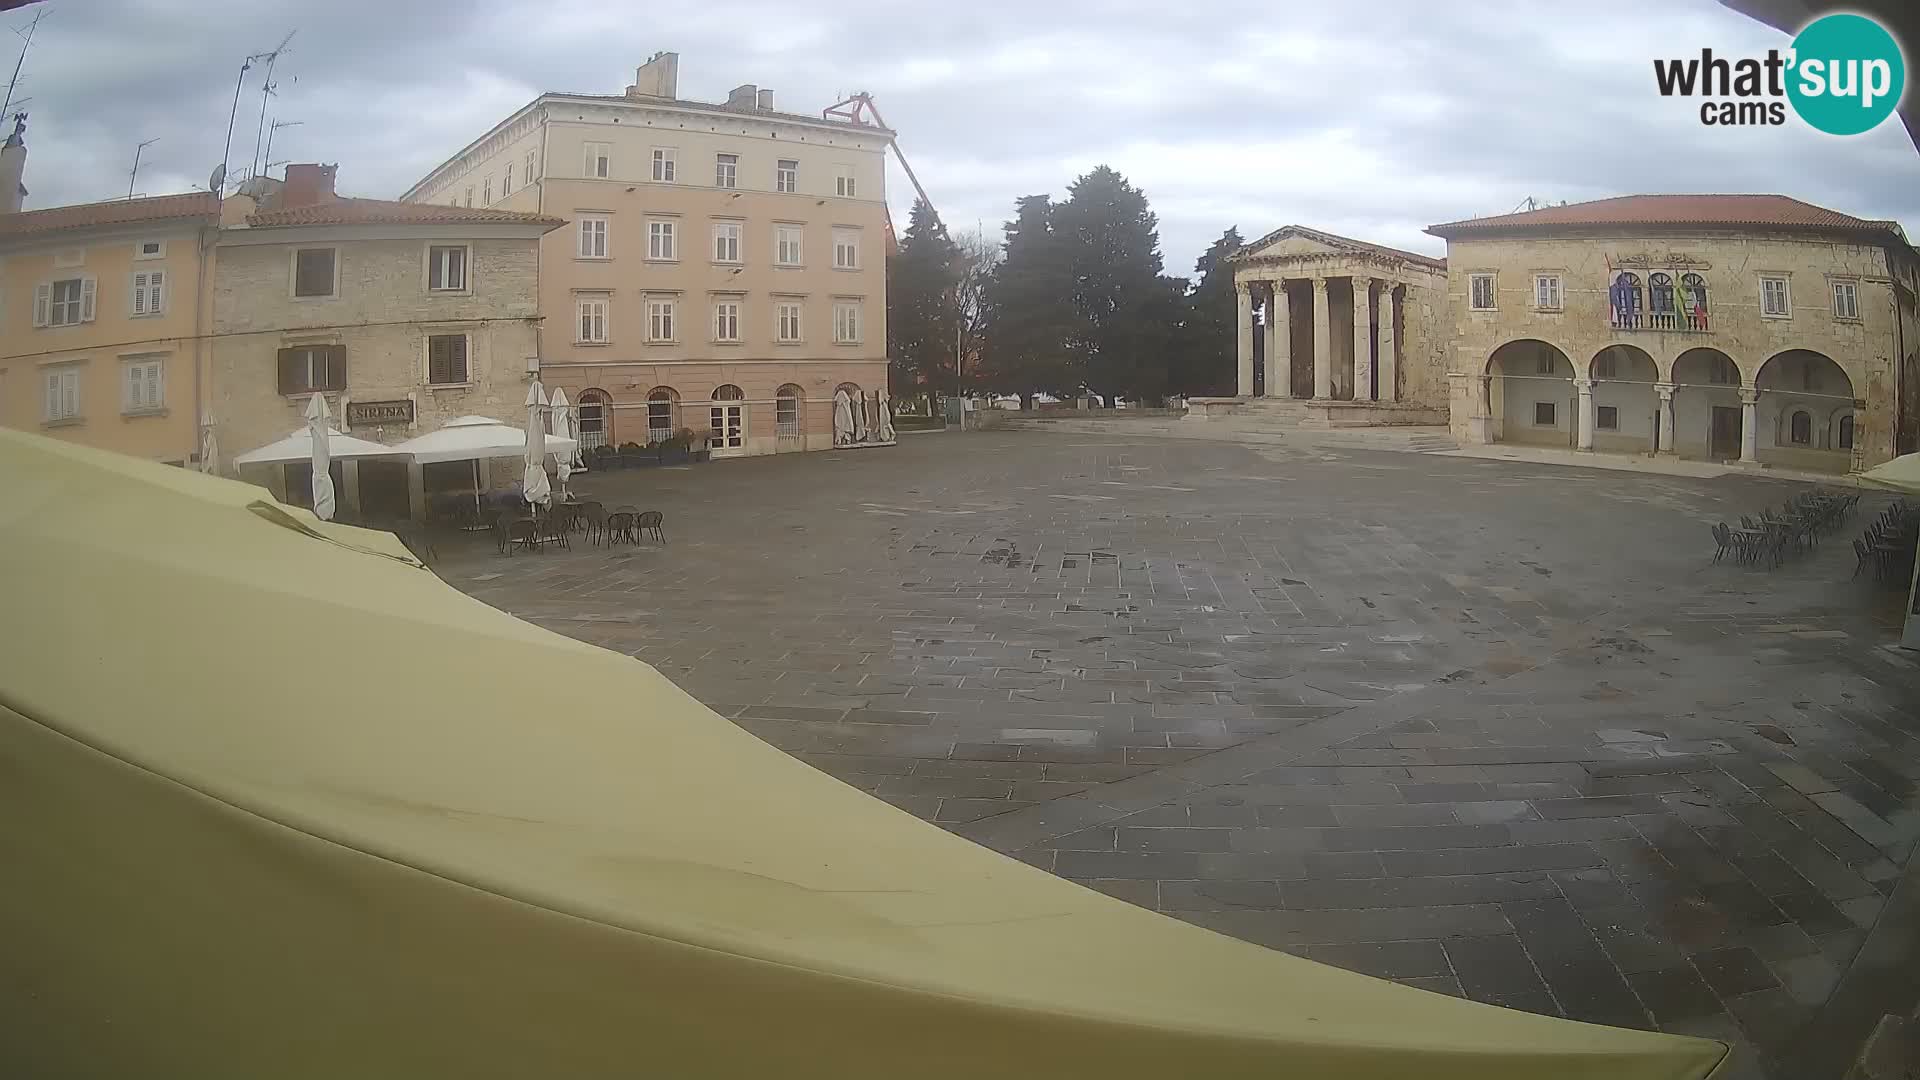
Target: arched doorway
{"x":1805,"y":407}
{"x":596,"y":418}
{"x":727,"y":416}
{"x":663,"y":413}
{"x":789,"y":418}
{"x":1530,"y":394}
{"x":1707,"y":414}
{"x":1626,"y":410}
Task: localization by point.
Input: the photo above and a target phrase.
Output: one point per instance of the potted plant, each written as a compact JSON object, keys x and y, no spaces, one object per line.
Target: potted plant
{"x":649,"y":454}
{"x":673,"y":449}
{"x":696,"y":444}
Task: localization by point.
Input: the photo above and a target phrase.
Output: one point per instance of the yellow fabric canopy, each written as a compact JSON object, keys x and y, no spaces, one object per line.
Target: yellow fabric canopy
{"x":1900,"y":474}
{"x":280,"y":803}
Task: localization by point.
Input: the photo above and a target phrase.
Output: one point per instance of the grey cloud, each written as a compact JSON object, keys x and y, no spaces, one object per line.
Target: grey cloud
{"x":1374,"y":120}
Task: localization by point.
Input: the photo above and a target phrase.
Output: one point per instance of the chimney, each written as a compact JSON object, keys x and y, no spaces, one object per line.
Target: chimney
{"x":659,"y":77}
{"x":13,"y":166}
{"x":744,"y":96}
{"x":307,"y":185}
{"x":766,"y":100}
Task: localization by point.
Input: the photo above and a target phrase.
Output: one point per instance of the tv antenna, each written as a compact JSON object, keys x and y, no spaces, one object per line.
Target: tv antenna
{"x":20,"y":61}
{"x":135,"y":172}
{"x":226,"y":154}
{"x":267,"y":87}
{"x":271,"y":128}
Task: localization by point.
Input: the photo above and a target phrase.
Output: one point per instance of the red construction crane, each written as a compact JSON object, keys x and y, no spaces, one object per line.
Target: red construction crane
{"x":855,"y":110}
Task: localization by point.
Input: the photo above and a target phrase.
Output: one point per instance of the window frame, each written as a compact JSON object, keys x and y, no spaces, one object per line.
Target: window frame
{"x":1600,"y":417}
{"x":1553,"y":296}
{"x":160,"y":251}
{"x":486,"y":192}
{"x":1552,"y":413}
{"x":845,"y":183}
{"x":334,"y":350}
{"x":786,"y":176}
{"x":668,"y":406}
{"x":737,"y":240}
{"x":293,"y":273}
{"x":1851,"y":289}
{"x":846,"y":241}
{"x":526,"y":177}
{"x":780,"y":309}
{"x":724,"y":320}
{"x":604,"y":318}
{"x":1786,"y":296}
{"x":663,"y":236}
{"x":726,"y":171}
{"x":604,"y":233}
{"x":1493,"y":295}
{"x":665,"y":165}
{"x":465,"y":288}
{"x":799,"y":245}
{"x":596,"y":160}
{"x":1795,"y":418}
{"x":147,"y":298}
{"x":69,"y":378}
{"x":143,"y":407}
{"x":466,"y":359}
{"x":83,"y":303}
{"x":783,"y":402}
{"x":506,"y":181}
{"x":663,"y":309}
{"x":848,"y":316}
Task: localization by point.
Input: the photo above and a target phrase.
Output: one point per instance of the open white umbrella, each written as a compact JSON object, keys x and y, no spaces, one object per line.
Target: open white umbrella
{"x":471,"y":438}
{"x":563,"y":464}
{"x":298,"y":446}
{"x":534,"y":486}
{"x":317,"y":428}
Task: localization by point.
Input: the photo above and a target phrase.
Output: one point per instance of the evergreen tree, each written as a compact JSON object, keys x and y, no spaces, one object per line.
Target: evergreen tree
{"x":921,"y":281}
{"x":1030,"y":318}
{"x":1205,"y":361}
{"x":1123,"y":319}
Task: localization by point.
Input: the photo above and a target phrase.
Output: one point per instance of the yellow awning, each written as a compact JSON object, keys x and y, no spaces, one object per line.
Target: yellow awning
{"x":279,"y":803}
{"x":1900,"y":474}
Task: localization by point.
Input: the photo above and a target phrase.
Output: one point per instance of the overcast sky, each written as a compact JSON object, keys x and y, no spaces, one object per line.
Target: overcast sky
{"x":1370,"y":119}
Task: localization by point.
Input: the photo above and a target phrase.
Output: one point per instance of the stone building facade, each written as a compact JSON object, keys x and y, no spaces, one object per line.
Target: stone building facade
{"x":1351,"y":330}
{"x":723,"y":268}
{"x":1729,"y":327}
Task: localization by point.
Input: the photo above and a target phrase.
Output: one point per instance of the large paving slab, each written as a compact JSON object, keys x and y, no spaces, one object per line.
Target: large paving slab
{"x":1490,"y":729}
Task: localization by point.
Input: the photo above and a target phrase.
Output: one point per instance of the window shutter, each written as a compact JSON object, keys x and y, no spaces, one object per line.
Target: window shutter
{"x":86,"y":300}
{"x":139,"y":294}
{"x":42,"y":300}
{"x":70,"y":393}
{"x":153,"y":386}
{"x":133,"y":394}
{"x":457,"y":359}
{"x":290,"y":380}
{"x":437,"y":360}
{"x":336,"y":367}
{"x":53,"y":395}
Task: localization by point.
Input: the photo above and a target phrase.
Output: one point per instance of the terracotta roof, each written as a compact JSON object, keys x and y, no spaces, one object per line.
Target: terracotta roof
{"x":1751,"y":211}
{"x":749,"y":112}
{"x":342,"y":211}
{"x":193,"y":204}
{"x":1336,"y":240}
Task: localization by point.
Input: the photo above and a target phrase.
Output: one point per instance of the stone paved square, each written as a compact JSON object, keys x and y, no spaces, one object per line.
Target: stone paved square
{"x":1490,"y":729}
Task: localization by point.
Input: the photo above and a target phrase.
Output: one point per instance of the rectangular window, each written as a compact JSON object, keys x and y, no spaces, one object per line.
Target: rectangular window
{"x":786,"y":175}
{"x":786,"y":245}
{"x":1604,"y":366}
{"x":67,"y":302}
{"x":150,"y":249}
{"x":843,"y":185}
{"x":1546,"y":292}
{"x":726,"y":170}
{"x":726,"y":320}
{"x":786,"y":322}
{"x":1846,"y":300}
{"x":1774,"y":299}
{"x":659,"y":320}
{"x":660,"y":243}
{"x":308,"y":369}
{"x":846,"y":249}
{"x":846,"y":322}
{"x":599,"y":162}
{"x":447,"y":268}
{"x":149,"y":292}
{"x":447,"y":359}
{"x":1606,"y":418}
{"x":786,"y":415}
{"x":486,"y":192}
{"x":313,"y":272}
{"x":526,"y":174}
{"x":469,"y":195}
{"x":665,"y":164}
{"x":1480,"y":292}
{"x":63,"y":394}
{"x":593,"y":238}
{"x":1543,"y":414}
{"x":726,"y":241}
{"x":142,"y":389}
{"x":592,"y":321}
{"x":506,"y":182}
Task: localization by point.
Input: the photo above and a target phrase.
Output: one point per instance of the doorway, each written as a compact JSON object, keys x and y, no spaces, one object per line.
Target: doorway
{"x":383,"y":490}
{"x":1723,"y":437}
{"x":729,"y":427}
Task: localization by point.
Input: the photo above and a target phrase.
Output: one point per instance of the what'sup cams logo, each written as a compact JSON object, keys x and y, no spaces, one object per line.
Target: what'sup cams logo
{"x":1843,"y":75}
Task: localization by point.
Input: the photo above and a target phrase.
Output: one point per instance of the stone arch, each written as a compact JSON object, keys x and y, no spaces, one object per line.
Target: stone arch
{"x":1800,"y":397}
{"x":1626,"y":409}
{"x":1707,"y":413}
{"x":1530,"y":393}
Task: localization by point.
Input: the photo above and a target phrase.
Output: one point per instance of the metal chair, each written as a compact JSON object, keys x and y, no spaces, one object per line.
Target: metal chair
{"x":649,"y":522}
{"x":619,"y":527}
{"x":522,"y":532}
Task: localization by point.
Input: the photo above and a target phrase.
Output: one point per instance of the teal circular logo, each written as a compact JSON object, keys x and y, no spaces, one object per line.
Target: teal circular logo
{"x":1847,"y":74}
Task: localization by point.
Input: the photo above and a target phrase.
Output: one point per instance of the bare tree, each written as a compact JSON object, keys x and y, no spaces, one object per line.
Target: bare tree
{"x":979,"y":254}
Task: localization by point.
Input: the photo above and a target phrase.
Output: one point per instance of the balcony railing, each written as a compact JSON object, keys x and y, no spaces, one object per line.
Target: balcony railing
{"x":591,"y":439}
{"x":1671,"y":322}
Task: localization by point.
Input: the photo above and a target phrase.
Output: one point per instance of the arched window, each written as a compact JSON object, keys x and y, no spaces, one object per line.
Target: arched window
{"x":660,"y":413}
{"x":1624,"y":298}
{"x":729,"y":392}
{"x":596,"y":420}
{"x":727,"y":420}
{"x":1843,"y":439}
{"x":1660,"y":308}
{"x":786,"y":412}
{"x":1693,"y":301}
{"x":1800,"y":430}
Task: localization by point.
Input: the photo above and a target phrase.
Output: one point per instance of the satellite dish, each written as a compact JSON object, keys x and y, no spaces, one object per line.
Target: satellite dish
{"x":218,"y":178}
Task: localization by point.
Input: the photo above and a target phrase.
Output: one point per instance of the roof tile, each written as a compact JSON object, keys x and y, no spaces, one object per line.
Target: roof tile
{"x":1758,"y":211}
{"x":193,"y":204}
{"x":344,"y":211}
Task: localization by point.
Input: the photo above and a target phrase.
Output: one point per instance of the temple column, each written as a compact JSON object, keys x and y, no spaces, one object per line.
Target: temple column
{"x":1389,"y":364}
{"x":1265,"y":360}
{"x":1749,"y":424}
{"x":1243,"y":293}
{"x":1362,"y":339}
{"x":1279,"y":343}
{"x":1665,"y":390}
{"x":1584,"y":434}
{"x":1322,"y":333}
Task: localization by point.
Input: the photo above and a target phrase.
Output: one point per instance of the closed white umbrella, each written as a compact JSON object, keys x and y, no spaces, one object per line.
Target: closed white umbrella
{"x":534,"y":487}
{"x":563,"y":464}
{"x":317,"y":429}
{"x":209,"y":450}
